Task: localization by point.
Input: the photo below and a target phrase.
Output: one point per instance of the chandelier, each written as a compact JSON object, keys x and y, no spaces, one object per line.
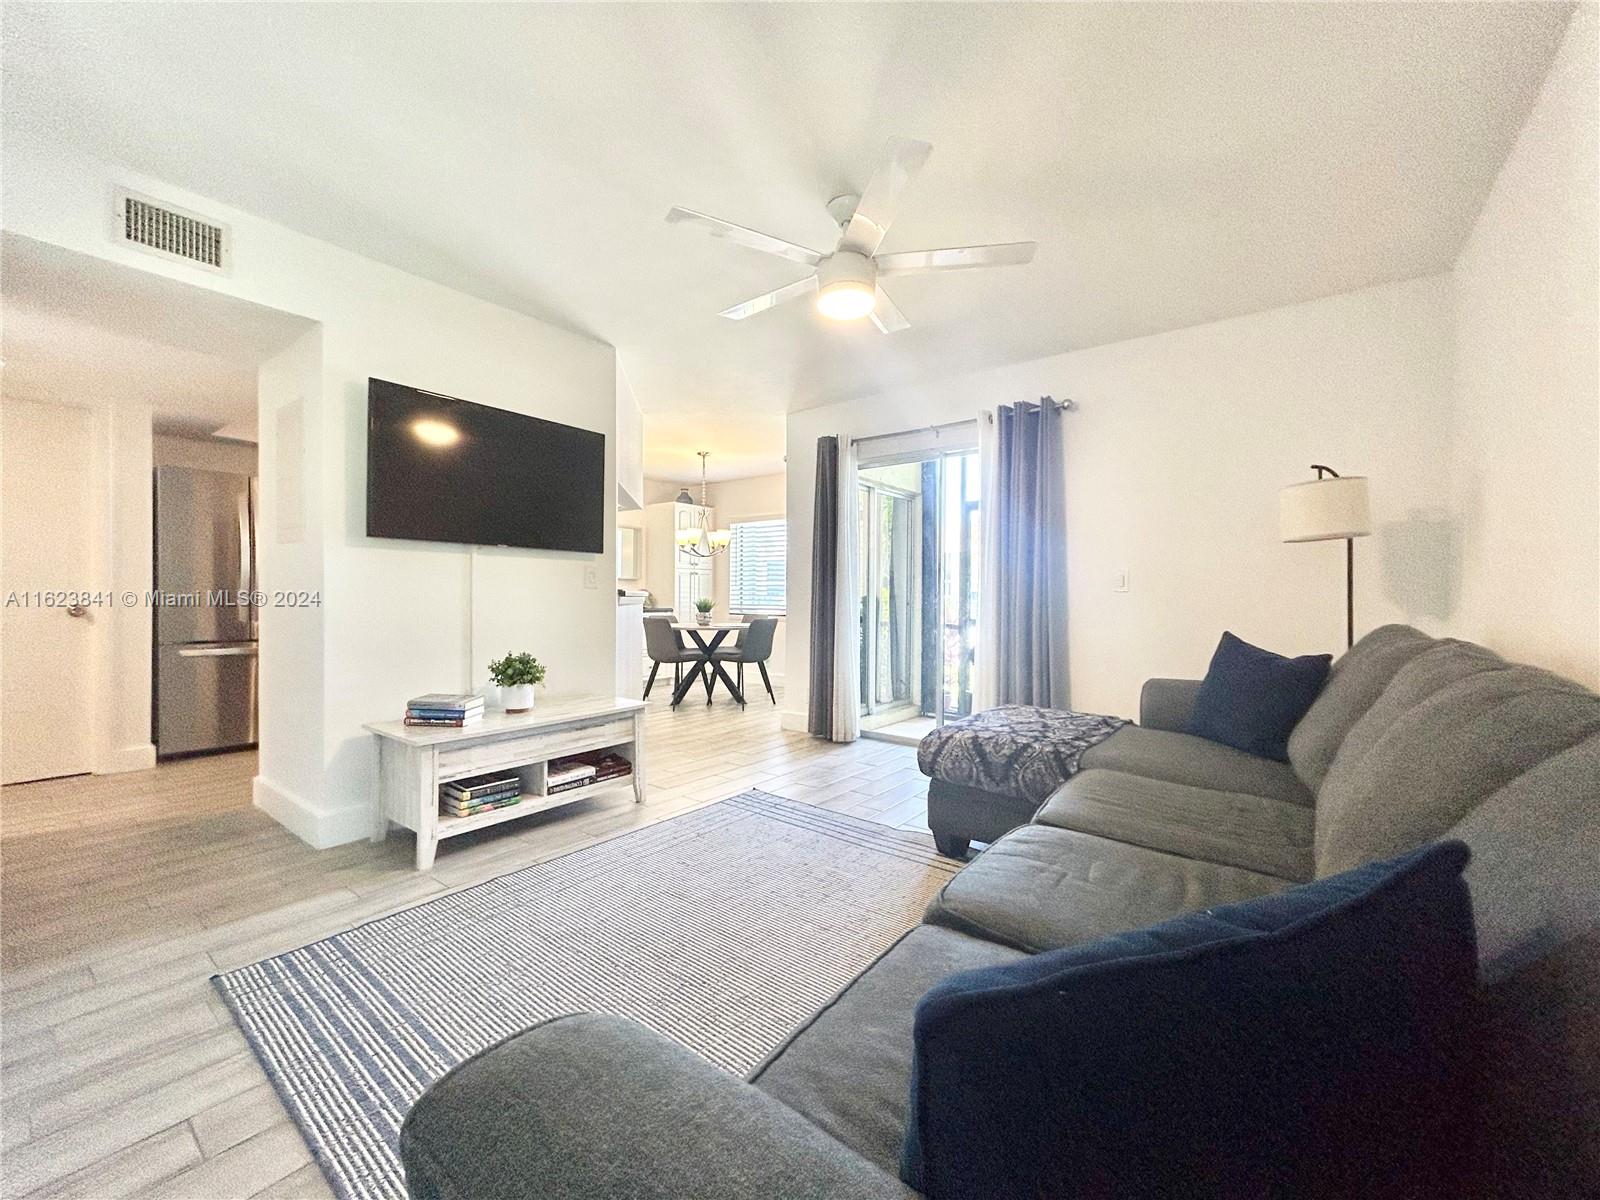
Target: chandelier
{"x":699,"y":539}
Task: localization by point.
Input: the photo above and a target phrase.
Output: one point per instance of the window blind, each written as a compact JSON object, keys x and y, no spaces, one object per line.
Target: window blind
{"x":757,"y":568}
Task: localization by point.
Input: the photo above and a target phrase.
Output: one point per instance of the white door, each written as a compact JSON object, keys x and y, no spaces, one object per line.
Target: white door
{"x":46,"y":660}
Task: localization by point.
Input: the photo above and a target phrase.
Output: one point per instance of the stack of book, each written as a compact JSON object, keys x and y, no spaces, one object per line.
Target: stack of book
{"x":581,"y":770}
{"x":481,"y":793}
{"x":445,"y":710}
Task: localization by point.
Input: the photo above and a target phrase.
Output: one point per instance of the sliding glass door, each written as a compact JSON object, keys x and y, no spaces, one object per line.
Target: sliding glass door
{"x":890,"y":518}
{"x":917,"y":542}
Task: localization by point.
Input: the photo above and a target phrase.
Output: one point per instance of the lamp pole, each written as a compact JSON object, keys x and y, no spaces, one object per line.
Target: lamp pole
{"x":1349,"y":570}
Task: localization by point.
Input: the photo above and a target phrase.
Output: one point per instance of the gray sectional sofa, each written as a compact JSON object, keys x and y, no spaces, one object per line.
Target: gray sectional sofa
{"x":1412,"y":739}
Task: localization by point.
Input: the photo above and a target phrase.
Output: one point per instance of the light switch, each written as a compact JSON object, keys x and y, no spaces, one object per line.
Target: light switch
{"x":1121,"y":583}
{"x":591,"y":577}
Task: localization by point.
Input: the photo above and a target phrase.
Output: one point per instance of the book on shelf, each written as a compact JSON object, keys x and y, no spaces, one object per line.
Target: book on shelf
{"x":483,"y":798}
{"x":555,"y":789}
{"x":441,"y":722}
{"x":582,"y":770}
{"x":606,"y":764}
{"x":446,"y":714}
{"x":471,"y":810}
{"x":560,"y":772}
{"x":480,"y":785}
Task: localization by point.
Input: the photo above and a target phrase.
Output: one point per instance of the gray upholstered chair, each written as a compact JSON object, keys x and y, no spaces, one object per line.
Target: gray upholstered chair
{"x":755,"y":647}
{"x":662,"y":644}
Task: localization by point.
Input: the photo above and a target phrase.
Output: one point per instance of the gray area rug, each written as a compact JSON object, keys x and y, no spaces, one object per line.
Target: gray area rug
{"x":723,"y":928}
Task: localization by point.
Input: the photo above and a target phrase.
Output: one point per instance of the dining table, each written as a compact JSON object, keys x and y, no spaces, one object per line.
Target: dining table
{"x":706,"y":639}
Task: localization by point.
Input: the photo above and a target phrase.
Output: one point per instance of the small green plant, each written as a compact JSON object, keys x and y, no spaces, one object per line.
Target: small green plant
{"x":705,"y":605}
{"x":514,"y":669}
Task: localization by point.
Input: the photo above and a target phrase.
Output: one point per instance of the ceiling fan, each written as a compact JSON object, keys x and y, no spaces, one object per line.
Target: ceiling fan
{"x":846,"y":280}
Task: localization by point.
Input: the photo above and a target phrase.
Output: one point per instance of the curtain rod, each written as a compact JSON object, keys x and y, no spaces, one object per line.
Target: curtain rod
{"x":1064,"y":405}
{"x":1068,"y":405}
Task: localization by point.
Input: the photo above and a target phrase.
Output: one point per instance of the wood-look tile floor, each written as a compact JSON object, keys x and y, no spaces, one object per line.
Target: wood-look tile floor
{"x":122,"y":1073}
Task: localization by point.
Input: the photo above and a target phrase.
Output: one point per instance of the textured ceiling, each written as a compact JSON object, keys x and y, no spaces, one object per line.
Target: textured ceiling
{"x":1176,"y":163}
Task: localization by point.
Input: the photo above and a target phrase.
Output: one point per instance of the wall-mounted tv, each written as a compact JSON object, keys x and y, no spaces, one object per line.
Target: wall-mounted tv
{"x":444,"y":470}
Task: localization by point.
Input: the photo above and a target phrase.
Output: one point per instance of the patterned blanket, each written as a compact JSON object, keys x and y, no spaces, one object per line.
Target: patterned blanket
{"x":1015,"y":749}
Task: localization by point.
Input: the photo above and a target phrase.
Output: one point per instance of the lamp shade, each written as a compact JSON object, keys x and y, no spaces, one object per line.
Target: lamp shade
{"x":1322,"y":509}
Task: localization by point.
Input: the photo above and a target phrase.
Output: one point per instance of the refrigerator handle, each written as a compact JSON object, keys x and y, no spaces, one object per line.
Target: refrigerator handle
{"x":242,"y":597}
{"x":252,"y":491}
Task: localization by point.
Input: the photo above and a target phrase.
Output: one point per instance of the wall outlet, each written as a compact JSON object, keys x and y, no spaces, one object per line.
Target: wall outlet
{"x":591,"y":577}
{"x":1120,"y":582}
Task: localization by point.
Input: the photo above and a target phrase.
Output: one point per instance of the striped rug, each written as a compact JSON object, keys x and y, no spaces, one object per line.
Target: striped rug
{"x":723,"y":929}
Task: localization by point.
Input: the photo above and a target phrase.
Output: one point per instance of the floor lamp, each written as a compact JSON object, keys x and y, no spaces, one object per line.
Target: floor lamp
{"x":1329,"y":508}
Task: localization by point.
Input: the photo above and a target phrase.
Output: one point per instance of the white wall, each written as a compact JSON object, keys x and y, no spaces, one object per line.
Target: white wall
{"x":754,"y":499}
{"x":1526,"y":458}
{"x":289,"y":557}
{"x":396,"y":618}
{"x":208,"y":454}
{"x":630,"y":446}
{"x":1174,"y":460}
{"x":123,"y":521}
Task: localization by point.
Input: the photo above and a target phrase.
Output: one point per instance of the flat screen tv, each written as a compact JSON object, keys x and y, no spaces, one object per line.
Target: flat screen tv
{"x":444,"y":470}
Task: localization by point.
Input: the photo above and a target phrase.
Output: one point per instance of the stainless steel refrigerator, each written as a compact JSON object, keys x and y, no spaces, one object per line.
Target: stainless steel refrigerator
{"x":205,"y":618}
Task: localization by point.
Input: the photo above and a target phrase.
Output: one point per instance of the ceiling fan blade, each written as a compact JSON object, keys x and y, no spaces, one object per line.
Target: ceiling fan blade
{"x":887,"y":317}
{"x":902,"y":159}
{"x":956,"y":258}
{"x":789,"y":291}
{"x":764,"y":242}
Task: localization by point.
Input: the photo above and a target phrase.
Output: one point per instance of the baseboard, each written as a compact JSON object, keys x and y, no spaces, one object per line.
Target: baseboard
{"x":794,"y":722}
{"x":319,"y":828}
{"x":138,"y":757}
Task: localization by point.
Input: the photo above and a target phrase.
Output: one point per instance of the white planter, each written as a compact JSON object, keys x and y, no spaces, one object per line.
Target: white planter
{"x":518,"y":698}
{"x":701,"y":618}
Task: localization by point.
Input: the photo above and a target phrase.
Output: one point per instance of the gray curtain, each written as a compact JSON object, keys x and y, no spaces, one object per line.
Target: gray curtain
{"x":1029,"y":532}
{"x":824,"y":585}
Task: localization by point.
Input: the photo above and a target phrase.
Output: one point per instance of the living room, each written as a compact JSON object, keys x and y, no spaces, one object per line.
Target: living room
{"x":1051,"y":654}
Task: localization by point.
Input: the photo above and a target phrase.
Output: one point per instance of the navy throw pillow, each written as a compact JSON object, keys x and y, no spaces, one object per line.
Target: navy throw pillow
{"x":1251,"y":699}
{"x":1309,"y":1043}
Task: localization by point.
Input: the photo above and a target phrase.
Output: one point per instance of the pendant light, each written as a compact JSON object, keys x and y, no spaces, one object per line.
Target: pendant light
{"x":699,"y":539}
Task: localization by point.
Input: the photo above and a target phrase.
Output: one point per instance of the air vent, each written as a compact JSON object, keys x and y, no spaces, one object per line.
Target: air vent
{"x":147,"y":224}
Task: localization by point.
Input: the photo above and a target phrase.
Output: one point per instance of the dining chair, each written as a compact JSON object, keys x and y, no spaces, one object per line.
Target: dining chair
{"x":662,"y":644}
{"x":755,"y":647}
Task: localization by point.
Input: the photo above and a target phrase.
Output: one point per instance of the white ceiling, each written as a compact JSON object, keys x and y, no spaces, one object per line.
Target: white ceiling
{"x":83,"y":331}
{"x":1176,"y":163}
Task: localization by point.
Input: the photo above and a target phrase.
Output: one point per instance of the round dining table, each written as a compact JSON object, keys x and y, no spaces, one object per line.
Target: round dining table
{"x":706,"y":639}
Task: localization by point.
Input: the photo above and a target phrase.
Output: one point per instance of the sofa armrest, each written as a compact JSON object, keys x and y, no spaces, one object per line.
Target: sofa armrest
{"x":596,"y":1107}
{"x":1167,"y":703}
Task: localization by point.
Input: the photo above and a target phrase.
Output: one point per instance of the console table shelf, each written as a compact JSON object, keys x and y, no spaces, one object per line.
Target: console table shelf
{"x":413,"y":761}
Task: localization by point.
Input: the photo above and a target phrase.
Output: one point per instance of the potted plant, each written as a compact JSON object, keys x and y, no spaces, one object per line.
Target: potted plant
{"x":702,"y":611}
{"x":516,"y":674}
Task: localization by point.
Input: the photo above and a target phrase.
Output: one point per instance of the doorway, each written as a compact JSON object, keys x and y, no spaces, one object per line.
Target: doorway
{"x":918,"y":552}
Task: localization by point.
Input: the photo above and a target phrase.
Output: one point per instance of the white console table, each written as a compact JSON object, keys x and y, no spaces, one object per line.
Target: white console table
{"x":413,"y":761}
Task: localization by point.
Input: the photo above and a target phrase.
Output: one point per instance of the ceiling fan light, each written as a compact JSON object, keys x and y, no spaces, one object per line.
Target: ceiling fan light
{"x":846,"y":300}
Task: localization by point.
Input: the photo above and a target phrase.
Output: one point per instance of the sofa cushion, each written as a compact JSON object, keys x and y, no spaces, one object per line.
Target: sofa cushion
{"x":1355,"y":681}
{"x":1309,"y":1044}
{"x":1184,"y":758}
{"x":1041,"y":888}
{"x":1535,"y":870}
{"x":1439,"y":758}
{"x":1251,"y":699}
{"x":1437,"y":666}
{"x":1231,"y":828}
{"x":848,"y":1068}
{"x":1536,"y":891}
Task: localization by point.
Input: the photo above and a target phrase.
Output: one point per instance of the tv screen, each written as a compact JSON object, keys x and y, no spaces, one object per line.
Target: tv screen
{"x":443,"y":470}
